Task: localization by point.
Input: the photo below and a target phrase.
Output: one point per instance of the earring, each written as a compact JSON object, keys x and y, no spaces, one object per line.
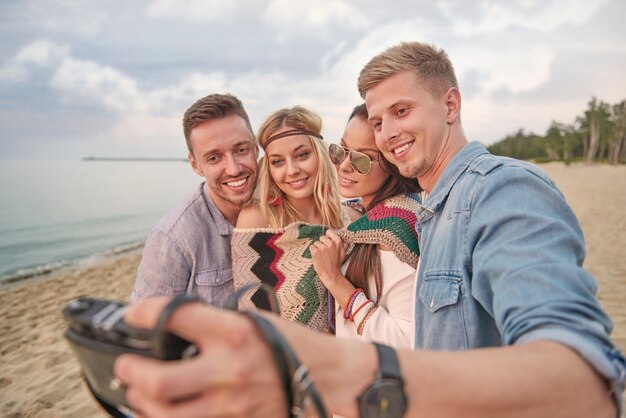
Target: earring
{"x":276,"y":200}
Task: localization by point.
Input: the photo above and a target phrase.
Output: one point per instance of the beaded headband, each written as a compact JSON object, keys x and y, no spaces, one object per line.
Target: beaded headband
{"x":292,"y":132}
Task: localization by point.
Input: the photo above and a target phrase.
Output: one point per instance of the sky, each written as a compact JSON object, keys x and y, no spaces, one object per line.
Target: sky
{"x":113,"y":79}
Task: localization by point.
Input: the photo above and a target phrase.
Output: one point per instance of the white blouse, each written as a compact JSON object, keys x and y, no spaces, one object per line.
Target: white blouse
{"x":393,"y":323}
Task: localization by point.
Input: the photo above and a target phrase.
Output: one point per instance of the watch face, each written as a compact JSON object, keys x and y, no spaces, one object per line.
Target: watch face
{"x":383,"y":399}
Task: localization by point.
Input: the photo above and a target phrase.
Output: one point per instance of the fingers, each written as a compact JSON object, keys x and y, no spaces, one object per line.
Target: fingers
{"x":145,"y":313}
{"x":330,"y":241}
{"x":234,"y":363}
{"x":191,"y":321}
{"x":218,"y":403}
{"x":333,"y":236}
{"x":168,"y":381}
{"x":171,"y":381}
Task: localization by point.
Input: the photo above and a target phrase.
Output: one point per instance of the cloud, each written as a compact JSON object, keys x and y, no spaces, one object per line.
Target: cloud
{"x":537,"y":15}
{"x":287,"y":16}
{"x":83,"y":80}
{"x":349,"y":61}
{"x":191,"y":87}
{"x":84,"y":17}
{"x":42,"y":53}
{"x":136,"y":76}
{"x":198,"y":11}
{"x":515,"y":70}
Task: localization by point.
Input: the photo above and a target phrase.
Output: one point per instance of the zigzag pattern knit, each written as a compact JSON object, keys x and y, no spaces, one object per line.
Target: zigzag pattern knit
{"x":281,"y":258}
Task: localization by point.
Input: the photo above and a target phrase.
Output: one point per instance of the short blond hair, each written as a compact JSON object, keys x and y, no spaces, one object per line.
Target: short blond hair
{"x":431,"y":65}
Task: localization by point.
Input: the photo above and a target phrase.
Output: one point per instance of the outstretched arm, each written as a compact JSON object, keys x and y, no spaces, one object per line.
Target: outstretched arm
{"x":234,"y":374}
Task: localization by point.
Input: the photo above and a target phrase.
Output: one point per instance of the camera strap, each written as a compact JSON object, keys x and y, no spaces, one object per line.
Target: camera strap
{"x":298,"y":386}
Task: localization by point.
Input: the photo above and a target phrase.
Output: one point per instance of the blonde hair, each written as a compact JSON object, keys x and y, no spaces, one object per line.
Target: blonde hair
{"x":431,"y":65}
{"x":325,"y":190}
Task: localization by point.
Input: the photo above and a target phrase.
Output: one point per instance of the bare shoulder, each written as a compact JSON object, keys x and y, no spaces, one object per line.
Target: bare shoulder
{"x":251,"y":216}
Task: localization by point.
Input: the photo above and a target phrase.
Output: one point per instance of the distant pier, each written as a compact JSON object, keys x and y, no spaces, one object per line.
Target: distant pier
{"x":131,"y":159}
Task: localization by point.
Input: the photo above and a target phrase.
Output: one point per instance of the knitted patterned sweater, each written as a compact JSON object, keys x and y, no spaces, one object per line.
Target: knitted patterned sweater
{"x":281,"y":258}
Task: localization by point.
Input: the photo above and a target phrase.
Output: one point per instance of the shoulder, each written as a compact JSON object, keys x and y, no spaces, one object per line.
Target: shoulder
{"x":488,"y":176}
{"x":188,"y":221}
{"x":191,"y":209}
{"x":518,"y":193}
{"x":498,"y":167}
{"x":251,"y":217}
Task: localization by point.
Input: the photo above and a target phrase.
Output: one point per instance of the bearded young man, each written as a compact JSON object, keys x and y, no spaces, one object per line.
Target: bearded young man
{"x":188,"y":251}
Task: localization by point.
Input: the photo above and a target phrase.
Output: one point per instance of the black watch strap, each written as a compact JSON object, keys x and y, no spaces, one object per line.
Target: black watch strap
{"x":389,"y":367}
{"x":385,"y":397}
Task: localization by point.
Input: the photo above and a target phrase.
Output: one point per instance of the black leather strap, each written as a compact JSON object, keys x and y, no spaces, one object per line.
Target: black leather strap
{"x":297,"y":383}
{"x":388,"y":360}
{"x":160,"y":335}
{"x":278,"y":354}
{"x":385,"y":396}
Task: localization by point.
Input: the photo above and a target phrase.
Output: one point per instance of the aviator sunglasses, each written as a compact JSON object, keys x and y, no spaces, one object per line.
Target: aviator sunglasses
{"x":361,"y":163}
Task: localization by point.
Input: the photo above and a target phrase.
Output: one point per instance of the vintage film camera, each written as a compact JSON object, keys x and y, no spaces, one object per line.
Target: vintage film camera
{"x":98,"y":335}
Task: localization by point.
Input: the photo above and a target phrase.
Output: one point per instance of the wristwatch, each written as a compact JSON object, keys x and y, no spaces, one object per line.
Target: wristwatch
{"x":385,"y":397}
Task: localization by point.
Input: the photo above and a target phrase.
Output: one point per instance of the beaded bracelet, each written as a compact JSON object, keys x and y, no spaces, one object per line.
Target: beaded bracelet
{"x":331,"y":312}
{"x":369,"y":313}
{"x":348,"y":308}
{"x":358,"y":309}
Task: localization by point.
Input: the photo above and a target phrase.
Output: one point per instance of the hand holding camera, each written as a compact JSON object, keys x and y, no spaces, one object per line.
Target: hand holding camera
{"x":98,"y":335}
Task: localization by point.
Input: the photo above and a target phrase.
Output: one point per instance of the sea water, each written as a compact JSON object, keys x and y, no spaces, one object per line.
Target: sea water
{"x":55,"y":213}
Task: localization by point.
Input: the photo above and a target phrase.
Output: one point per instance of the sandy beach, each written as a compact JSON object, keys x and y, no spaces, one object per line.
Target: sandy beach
{"x":39,"y":376}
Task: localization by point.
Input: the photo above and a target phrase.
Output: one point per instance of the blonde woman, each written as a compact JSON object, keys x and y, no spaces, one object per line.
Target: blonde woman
{"x":297,"y":180}
{"x":298,"y":199}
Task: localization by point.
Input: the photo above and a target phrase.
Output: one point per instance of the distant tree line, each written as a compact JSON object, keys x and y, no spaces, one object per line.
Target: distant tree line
{"x":598,"y":135}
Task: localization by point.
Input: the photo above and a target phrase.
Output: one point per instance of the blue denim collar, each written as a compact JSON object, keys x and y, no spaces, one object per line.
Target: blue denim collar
{"x":453,"y":171}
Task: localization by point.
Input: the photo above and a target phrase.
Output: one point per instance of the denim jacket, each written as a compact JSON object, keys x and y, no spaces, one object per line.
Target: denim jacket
{"x":501,"y":264}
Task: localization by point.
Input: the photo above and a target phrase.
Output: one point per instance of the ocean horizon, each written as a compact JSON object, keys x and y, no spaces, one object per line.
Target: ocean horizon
{"x":60,"y":214}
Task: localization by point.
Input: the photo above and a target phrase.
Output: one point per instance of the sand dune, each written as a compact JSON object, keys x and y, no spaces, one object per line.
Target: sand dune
{"x":39,"y":376}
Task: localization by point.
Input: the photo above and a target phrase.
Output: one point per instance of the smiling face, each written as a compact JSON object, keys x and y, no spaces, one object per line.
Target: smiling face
{"x":410,"y":124}
{"x":359,"y":136}
{"x":293,"y":165}
{"x":223,"y":151}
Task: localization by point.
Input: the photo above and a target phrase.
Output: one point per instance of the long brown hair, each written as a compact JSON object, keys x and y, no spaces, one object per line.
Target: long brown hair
{"x":368,"y":255}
